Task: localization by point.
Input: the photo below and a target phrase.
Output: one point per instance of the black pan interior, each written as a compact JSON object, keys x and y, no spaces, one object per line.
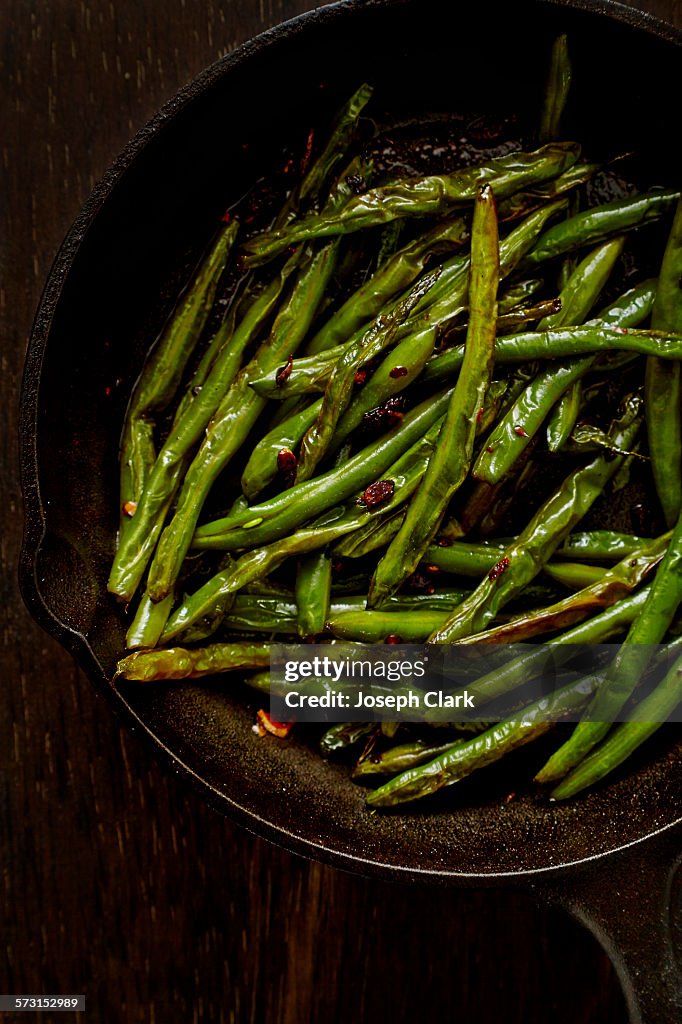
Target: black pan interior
{"x":436,"y":67}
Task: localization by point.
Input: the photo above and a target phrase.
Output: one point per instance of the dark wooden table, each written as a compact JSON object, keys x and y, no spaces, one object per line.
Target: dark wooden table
{"x":116,"y":881}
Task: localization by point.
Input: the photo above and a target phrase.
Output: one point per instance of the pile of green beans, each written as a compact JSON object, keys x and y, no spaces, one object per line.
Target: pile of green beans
{"x":401,"y":425}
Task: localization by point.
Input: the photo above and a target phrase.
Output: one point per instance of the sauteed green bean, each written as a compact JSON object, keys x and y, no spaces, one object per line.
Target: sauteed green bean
{"x":410,"y":426}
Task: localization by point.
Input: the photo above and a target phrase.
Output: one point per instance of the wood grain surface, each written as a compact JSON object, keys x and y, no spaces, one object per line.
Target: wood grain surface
{"x":116,"y":881}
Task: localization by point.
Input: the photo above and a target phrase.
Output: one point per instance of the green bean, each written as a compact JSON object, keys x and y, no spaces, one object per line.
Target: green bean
{"x":398,"y":273}
{"x":268,"y":588}
{"x":372,"y":536}
{"x":399,"y":758}
{"x":397,"y":371}
{"x":648,"y":629}
{"x":341,"y":133}
{"x":518,"y":294}
{"x":398,"y":604}
{"x":309,"y":375}
{"x":600,"y":546}
{"x":449,"y":295}
{"x":600,"y":223}
{"x":157,"y":384}
{"x":584,"y":286}
{"x":313,"y":592}
{"x":181,"y":663}
{"x":464,"y":558}
{"x":338,"y":392}
{"x":260,"y":562}
{"x":448,"y":298}
{"x":651,"y":713}
{"x":335,"y":523}
{"x":271,"y":519}
{"x":556,"y":90}
{"x":234,"y":419}
{"x":562,"y":342}
{"x":663,"y":387}
{"x":251,"y":613}
{"x":254,"y":613}
{"x":487,"y":501}
{"x":389,"y":242}
{"x":372,"y":627}
{"x":262,"y":468}
{"x":138,"y":544}
{"x":239,"y":409}
{"x":513,"y":433}
{"x":613,"y":586}
{"x":564,"y":416}
{"x":548,"y":528}
{"x":522,"y":203}
{"x":573,"y":574}
{"x":449,"y":464}
{"x":259,"y":681}
{"x":632,"y":307}
{"x":403,"y":365}
{"x":343,"y":735}
{"x":149,"y":622}
{"x":599,"y":629}
{"x":462,"y":758}
{"x":420,"y":197}
{"x":516,"y":318}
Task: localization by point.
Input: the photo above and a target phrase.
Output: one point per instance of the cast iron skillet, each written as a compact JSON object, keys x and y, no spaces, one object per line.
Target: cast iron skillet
{"x":108,"y":293}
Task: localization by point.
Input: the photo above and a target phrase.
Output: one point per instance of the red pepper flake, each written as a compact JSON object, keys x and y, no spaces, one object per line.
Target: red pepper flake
{"x":367,"y":370}
{"x":107,"y":391}
{"x":284,"y":372}
{"x":509,"y":797}
{"x":432,"y":569}
{"x":338,"y":566}
{"x":479,"y":414}
{"x":393,"y":638}
{"x":267,"y":724}
{"x":430,"y":590}
{"x":490,"y":448}
{"x":398,"y":371}
{"x":289,"y":166}
{"x":308,"y":150}
{"x":519,"y":431}
{"x":443,"y":542}
{"x":499,"y":568}
{"x":130,"y":508}
{"x":226,"y":217}
{"x":376,"y":493}
{"x":386,"y":414}
{"x":286,"y":460}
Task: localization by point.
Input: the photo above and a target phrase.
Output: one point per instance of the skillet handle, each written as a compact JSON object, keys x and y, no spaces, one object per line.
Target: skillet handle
{"x":632,"y":904}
